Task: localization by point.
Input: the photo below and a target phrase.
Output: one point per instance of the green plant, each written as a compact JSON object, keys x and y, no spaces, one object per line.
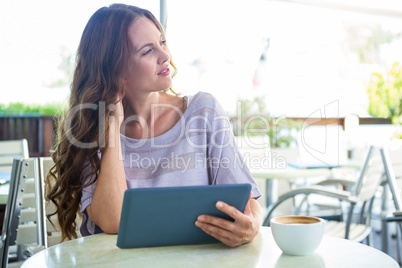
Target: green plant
{"x":385,"y":94}
{"x":23,"y":108}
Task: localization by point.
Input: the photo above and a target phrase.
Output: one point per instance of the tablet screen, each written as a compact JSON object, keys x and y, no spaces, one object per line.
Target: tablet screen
{"x":166,"y":216}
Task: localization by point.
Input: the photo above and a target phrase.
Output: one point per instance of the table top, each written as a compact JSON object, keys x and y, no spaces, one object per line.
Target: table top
{"x":101,"y":251}
{"x":289,"y":173}
{"x":293,"y":171}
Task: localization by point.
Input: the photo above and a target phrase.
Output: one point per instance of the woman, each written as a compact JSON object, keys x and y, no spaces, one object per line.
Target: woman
{"x":123,"y":130}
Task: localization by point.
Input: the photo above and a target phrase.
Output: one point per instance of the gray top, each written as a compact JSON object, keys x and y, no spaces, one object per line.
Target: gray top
{"x":198,"y":150}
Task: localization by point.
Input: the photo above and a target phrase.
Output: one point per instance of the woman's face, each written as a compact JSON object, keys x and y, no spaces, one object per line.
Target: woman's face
{"x":148,"y":67}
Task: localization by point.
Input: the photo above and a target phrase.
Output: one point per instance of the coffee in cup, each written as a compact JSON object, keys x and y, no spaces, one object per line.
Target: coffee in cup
{"x":297,"y":235}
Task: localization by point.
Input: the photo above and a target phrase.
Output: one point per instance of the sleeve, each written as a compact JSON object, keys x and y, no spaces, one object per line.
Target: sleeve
{"x":224,"y":160}
{"x":87,"y":192}
{"x":88,"y":227}
{"x":86,"y":198}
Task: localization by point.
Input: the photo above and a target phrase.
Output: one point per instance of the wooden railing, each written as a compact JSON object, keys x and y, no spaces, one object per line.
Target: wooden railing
{"x":39,"y":130}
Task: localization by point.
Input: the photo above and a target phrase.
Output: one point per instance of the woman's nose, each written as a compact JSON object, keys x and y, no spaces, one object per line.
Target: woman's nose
{"x":164,"y":56}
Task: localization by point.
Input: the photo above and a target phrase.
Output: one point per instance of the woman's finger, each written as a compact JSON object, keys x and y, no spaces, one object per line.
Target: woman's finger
{"x":229,"y":238}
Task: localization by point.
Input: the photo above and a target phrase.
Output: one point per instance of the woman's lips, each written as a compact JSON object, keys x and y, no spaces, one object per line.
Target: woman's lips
{"x":164,"y":72}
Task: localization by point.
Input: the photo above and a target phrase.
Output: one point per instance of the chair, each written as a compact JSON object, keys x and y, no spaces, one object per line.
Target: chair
{"x":329,"y":208}
{"x":361,"y":196}
{"x":10,"y":149}
{"x":50,"y":229}
{"x":21,"y":229}
{"x":26,"y":226}
{"x":392,"y":165}
{"x":393,"y":169}
{"x":316,"y":152}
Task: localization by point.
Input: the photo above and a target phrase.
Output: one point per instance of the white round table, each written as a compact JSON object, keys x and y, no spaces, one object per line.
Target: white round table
{"x":101,"y":251}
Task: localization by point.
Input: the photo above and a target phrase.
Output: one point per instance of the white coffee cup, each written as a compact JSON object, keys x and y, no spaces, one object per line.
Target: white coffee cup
{"x":297,"y":235}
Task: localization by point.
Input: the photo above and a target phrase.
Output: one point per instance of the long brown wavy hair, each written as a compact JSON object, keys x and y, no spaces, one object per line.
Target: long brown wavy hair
{"x":83,"y":130}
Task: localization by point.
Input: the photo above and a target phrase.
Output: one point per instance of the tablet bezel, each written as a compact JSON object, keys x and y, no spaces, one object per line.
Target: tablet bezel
{"x":166,"y":216}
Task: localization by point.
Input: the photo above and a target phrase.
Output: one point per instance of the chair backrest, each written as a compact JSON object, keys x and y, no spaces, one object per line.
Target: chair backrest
{"x":370,"y":175}
{"x":6,"y":231}
{"x":51,"y":229}
{"x":20,"y":218}
{"x":395,"y":156}
{"x":10,"y":149}
{"x":391,"y":178}
{"x":25,"y":221}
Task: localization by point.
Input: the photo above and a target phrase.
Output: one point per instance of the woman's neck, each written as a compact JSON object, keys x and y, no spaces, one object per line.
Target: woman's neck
{"x":141,"y":105}
{"x":151,"y":115}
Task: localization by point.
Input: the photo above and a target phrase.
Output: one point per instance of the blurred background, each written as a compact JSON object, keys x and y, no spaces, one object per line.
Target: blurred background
{"x":280,"y":59}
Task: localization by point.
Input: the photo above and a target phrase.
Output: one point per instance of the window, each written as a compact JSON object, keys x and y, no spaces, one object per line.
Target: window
{"x":38,"y":43}
{"x":298,"y":58}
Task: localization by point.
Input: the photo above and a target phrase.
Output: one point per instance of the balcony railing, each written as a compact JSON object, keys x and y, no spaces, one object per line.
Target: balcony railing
{"x":39,"y":130}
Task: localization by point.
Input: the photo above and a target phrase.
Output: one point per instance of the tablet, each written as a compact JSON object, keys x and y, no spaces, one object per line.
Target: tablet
{"x":152,"y":217}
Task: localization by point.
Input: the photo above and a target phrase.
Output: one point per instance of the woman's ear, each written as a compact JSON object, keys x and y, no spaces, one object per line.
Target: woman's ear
{"x":123,"y":82}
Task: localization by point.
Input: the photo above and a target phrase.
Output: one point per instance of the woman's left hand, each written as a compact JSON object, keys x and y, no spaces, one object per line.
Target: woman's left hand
{"x":242,"y":231}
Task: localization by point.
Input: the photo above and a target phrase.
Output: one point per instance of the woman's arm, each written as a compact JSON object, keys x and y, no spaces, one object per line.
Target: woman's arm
{"x":242,"y":231}
{"x":107,"y":200}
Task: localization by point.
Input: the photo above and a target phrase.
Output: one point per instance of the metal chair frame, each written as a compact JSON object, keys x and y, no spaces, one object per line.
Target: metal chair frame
{"x":22,"y":169}
{"x":358,"y":195}
{"x":391,"y":183}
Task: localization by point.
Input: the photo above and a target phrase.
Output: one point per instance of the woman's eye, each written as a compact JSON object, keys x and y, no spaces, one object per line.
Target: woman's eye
{"x":147,"y":52}
{"x":163,"y":42}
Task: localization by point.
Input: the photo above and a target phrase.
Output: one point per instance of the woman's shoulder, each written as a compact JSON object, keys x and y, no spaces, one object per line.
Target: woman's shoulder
{"x":203,"y":100}
{"x":203,"y":103}
{"x":204,"y":96}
